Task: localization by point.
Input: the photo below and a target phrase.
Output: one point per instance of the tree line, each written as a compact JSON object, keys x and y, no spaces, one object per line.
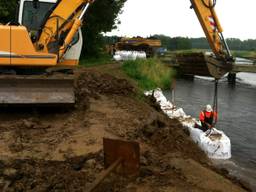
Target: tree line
{"x":179,"y":43}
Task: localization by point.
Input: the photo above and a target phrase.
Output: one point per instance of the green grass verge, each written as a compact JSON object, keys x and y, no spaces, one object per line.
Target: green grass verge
{"x":149,"y":74}
{"x":94,"y":61}
{"x":244,"y":54}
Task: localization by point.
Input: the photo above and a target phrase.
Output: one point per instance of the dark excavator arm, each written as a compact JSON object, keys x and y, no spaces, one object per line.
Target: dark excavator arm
{"x":61,"y":25}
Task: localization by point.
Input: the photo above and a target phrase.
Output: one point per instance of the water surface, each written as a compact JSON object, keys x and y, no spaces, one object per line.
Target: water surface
{"x":237,"y":118}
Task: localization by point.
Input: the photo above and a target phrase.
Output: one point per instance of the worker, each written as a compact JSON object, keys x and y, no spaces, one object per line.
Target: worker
{"x":207,"y":117}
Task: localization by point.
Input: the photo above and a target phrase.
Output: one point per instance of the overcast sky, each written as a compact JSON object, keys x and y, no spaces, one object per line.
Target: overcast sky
{"x":174,"y":18}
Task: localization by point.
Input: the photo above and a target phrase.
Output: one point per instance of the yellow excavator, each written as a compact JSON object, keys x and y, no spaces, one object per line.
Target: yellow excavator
{"x":37,"y":53}
{"x":148,"y":45}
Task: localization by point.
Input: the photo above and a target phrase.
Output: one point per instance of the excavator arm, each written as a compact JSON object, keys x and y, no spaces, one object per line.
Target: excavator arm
{"x":222,"y":61}
{"x":61,"y":25}
{"x":210,"y":23}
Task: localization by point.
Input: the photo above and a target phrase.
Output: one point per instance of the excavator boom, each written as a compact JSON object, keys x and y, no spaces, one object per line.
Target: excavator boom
{"x":215,"y":65}
{"x":210,"y":24}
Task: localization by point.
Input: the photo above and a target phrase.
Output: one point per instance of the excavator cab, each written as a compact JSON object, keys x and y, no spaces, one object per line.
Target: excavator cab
{"x":34,"y":13}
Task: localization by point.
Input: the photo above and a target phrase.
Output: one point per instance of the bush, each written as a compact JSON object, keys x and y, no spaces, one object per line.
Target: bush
{"x":149,"y":74}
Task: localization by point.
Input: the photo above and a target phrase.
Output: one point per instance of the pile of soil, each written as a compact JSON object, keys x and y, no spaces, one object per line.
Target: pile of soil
{"x":61,"y":150}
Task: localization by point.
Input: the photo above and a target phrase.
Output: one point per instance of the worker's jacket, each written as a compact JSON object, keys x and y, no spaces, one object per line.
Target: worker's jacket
{"x":208,"y":117}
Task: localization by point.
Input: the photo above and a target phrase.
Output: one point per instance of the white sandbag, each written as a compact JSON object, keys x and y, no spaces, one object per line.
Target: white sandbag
{"x":141,"y":55}
{"x":129,"y":55}
{"x":133,"y":56}
{"x":117,"y":58}
{"x":177,"y":113}
{"x":159,"y":96}
{"x":214,"y":143}
{"x":148,"y":93}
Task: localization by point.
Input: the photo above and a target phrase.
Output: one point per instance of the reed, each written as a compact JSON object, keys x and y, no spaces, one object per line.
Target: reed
{"x":149,"y":73}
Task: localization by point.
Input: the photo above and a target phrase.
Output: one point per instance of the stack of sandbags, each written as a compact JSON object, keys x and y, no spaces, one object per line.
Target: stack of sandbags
{"x":213,"y":142}
{"x":129,"y":55}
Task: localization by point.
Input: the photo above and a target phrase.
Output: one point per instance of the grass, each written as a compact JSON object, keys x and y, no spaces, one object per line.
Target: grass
{"x":94,"y":61}
{"x":149,"y":74}
{"x":244,"y":54}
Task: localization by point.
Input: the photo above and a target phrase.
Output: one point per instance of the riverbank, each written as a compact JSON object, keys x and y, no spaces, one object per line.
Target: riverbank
{"x":236,"y":119}
{"x":61,"y":150}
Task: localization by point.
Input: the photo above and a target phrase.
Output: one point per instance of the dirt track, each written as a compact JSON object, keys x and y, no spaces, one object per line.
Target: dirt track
{"x":61,"y":150}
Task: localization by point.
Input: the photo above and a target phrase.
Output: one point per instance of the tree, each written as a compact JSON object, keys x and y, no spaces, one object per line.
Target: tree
{"x":101,"y":17}
{"x":200,"y":43}
{"x":165,"y":41}
{"x":179,"y":43}
{"x":7,"y":10}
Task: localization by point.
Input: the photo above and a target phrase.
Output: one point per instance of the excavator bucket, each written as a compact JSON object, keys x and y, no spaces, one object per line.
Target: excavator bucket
{"x":202,"y":64}
{"x":36,"y":90}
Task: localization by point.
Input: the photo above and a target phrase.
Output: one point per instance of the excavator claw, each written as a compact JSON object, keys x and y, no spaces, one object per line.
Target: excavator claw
{"x":218,"y":68}
{"x":203,"y":64}
{"x":57,"y":89}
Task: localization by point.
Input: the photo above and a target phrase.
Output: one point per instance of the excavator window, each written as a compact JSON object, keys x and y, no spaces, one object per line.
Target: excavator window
{"x":33,"y":17}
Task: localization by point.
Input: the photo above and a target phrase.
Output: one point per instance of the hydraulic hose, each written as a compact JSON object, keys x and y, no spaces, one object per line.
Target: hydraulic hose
{"x":209,"y":5}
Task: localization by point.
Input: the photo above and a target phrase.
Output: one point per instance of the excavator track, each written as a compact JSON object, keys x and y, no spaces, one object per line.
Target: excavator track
{"x":46,"y":90}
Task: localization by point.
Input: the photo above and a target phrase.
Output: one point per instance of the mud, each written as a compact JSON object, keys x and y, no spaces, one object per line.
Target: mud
{"x":61,"y":150}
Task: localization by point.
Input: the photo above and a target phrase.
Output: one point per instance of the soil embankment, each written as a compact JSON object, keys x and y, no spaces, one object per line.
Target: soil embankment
{"x":61,"y":150}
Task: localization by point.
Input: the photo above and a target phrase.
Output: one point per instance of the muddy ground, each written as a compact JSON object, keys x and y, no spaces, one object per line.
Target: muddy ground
{"x":48,"y":150}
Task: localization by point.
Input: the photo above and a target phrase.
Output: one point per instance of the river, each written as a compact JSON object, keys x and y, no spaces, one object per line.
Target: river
{"x":237,"y":117}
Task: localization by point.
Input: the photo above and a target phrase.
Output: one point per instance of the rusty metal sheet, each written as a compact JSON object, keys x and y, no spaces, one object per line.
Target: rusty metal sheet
{"x":127,"y":150}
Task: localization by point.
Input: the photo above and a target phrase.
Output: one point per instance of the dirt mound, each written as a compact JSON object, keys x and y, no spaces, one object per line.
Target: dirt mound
{"x":169,"y":137}
{"x":40,"y":175}
{"x":90,"y":84}
{"x":55,"y":150}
